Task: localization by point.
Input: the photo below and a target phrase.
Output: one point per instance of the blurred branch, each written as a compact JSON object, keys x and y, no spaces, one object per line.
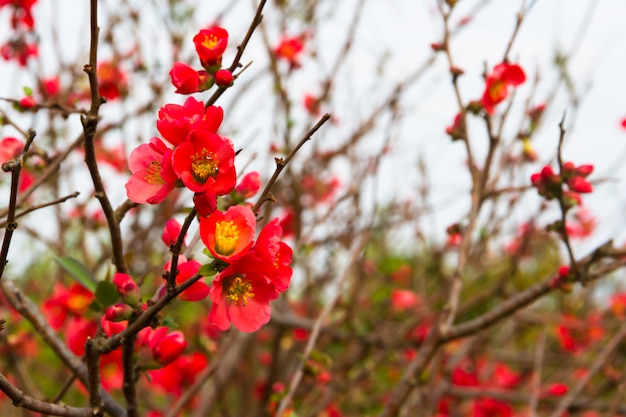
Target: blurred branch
{"x":24,"y":401}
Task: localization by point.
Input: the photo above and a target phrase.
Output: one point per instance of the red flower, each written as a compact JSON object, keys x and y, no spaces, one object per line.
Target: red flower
{"x":153,"y":177}
{"x":19,"y":50}
{"x":180,"y":373}
{"x":228,"y":235}
{"x":289,"y":49}
{"x":112,"y":82}
{"x":187,"y":269}
{"x":206,"y":163}
{"x":21,"y":14}
{"x":312,"y":104}
{"x":579,"y":185}
{"x":118,"y":312}
{"x":210,"y":45}
{"x":166,"y":347}
{"x":241,"y":294}
{"x":457,"y":129}
{"x":557,"y":389}
{"x":205,"y":203}
{"x":187,"y":80}
{"x":249,"y":185}
{"x":27,"y":102}
{"x":224,"y":78}
{"x":498,"y":82}
{"x":175,"y":121}
{"x":274,"y":256}
{"x":77,"y":332}
{"x":402,"y":300}
{"x":10,"y":148}
{"x":50,"y":86}
{"x":66,"y":301}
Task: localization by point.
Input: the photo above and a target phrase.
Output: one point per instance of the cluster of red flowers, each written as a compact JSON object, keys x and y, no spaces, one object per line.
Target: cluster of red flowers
{"x":550,"y":185}
{"x":210,"y":45}
{"x":249,"y":274}
{"x":20,"y":48}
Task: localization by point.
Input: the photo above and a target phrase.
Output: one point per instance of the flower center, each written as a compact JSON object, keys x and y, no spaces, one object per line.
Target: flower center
{"x":498,"y":91}
{"x":203,"y":165}
{"x":226,"y":237}
{"x":153,"y":173}
{"x":210,"y":41}
{"x":238,"y":291}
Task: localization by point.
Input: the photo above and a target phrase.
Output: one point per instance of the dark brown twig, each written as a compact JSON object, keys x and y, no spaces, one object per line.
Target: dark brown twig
{"x":282,"y":163}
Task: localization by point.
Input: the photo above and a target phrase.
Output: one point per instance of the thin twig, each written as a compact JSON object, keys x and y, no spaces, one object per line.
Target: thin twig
{"x":40,"y":206}
{"x":282,"y":163}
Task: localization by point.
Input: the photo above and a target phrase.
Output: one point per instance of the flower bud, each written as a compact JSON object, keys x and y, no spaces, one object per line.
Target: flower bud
{"x":127,"y":288}
{"x":118,"y":312}
{"x":224,"y":78}
{"x":579,"y":185}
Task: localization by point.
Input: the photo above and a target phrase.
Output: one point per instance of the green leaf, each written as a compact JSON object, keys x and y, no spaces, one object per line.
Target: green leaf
{"x":170,"y":323}
{"x":106,"y":294}
{"x":28,"y":91}
{"x":207,"y":270}
{"x":78,"y":271}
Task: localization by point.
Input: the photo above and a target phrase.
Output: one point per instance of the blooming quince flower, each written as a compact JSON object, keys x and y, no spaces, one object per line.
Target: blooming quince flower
{"x":175,"y":121}
{"x":206,"y":163}
{"x":228,"y":235}
{"x":241,"y":295}
{"x":498,"y":82}
{"x":210,"y":45}
{"x":153,"y":177}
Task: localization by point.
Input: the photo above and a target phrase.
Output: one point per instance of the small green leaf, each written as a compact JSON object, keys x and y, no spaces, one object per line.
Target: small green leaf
{"x":95,"y":307}
{"x":170,"y":323}
{"x":106,"y":294}
{"x":27,"y":91}
{"x":78,"y":271}
{"x":207,"y":270}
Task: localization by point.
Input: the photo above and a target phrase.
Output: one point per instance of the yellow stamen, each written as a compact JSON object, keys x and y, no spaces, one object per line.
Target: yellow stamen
{"x":210,"y":41}
{"x":238,"y":291}
{"x":226,"y":237}
{"x":203,"y":166}
{"x":153,"y":173}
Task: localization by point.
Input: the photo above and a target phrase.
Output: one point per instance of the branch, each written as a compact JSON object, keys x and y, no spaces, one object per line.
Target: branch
{"x":90,"y":123}
{"x":282,"y":163}
{"x":22,"y":400}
